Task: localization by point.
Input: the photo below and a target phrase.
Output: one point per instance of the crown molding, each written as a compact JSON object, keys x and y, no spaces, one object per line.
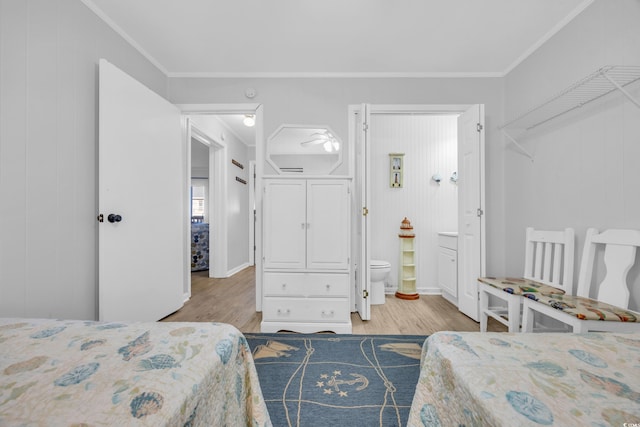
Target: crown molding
{"x":559,"y":26}
{"x":338,"y":75}
{"x":332,"y":75}
{"x":115,"y":27}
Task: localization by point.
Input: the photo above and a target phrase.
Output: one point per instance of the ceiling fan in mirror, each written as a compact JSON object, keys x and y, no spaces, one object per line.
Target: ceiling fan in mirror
{"x":330,"y":143}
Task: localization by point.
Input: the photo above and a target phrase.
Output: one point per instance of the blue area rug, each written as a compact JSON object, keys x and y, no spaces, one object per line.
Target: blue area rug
{"x":313,"y":380}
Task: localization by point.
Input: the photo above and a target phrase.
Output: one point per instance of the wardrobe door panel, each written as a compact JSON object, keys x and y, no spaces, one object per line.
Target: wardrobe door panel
{"x":285,"y":224}
{"x":328,"y":224}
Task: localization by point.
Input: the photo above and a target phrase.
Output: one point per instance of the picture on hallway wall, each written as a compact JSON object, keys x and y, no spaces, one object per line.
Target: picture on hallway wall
{"x":395,"y":169}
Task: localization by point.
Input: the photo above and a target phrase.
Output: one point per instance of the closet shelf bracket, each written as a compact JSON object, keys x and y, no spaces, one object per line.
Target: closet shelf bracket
{"x":517,"y":144}
{"x":621,"y":89}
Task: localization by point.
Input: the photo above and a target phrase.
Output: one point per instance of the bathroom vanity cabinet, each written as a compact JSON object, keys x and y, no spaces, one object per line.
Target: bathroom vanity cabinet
{"x":448,"y":265}
{"x":306,"y":257}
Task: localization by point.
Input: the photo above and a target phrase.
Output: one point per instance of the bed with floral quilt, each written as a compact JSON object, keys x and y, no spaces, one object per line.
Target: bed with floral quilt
{"x":65,"y":372}
{"x":501,"y":379}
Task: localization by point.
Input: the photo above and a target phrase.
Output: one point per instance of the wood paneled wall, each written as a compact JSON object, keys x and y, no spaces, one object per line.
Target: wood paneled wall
{"x":49,"y":53}
{"x":429,"y":144}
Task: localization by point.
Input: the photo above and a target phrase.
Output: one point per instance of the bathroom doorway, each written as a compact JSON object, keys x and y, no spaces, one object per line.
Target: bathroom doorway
{"x":429,"y":194}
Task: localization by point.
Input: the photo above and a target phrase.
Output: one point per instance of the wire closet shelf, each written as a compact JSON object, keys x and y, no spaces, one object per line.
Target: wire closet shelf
{"x":596,"y":85}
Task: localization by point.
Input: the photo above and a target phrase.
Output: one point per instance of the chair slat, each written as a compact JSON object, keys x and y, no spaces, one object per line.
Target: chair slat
{"x":546,"y":274}
{"x":538,"y":254}
{"x":557,"y":264}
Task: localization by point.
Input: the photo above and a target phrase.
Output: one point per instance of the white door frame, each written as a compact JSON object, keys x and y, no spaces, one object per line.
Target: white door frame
{"x":218,"y":162}
{"x":252,"y":215}
{"x":425,"y":109}
{"x":217,"y":199}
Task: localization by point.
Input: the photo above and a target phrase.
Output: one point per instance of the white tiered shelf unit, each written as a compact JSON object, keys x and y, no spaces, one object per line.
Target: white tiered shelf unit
{"x":407,"y":279}
{"x":592,"y":87}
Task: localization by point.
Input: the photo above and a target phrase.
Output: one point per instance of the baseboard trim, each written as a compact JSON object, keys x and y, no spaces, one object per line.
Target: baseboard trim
{"x":430,"y":291}
{"x":237,"y":269}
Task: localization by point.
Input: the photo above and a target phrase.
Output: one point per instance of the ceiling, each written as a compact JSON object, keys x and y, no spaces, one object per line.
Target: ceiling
{"x":335,"y":38}
{"x":280,"y":38}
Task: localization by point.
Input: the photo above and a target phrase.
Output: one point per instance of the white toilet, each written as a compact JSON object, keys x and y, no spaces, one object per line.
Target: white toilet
{"x":378,"y":273}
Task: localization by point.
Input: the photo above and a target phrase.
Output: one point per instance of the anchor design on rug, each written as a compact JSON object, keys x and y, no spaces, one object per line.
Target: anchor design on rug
{"x":333,"y":383}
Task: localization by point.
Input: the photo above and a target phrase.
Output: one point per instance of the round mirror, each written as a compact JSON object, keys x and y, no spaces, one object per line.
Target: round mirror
{"x":301,"y":149}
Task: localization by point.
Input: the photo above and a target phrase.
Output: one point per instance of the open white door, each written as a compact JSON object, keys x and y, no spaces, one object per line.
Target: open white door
{"x":363,"y":302}
{"x":141,"y":201}
{"x":471,"y":235}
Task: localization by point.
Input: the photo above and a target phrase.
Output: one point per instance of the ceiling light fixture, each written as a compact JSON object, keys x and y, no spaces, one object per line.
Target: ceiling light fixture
{"x":331,"y":146}
{"x":328,"y":141}
{"x":249,"y":120}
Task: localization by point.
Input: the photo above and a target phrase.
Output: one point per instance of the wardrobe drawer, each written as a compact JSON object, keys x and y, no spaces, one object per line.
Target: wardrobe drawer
{"x":306,"y":310}
{"x":306,"y":285}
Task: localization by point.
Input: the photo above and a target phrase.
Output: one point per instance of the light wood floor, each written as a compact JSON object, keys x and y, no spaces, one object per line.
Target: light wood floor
{"x":232,"y":301}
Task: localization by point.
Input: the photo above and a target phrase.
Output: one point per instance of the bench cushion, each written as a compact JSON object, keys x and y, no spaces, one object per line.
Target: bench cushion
{"x":587,"y":308}
{"x":520,"y":286}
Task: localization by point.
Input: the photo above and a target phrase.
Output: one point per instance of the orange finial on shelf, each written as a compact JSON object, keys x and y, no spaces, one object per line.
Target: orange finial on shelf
{"x":406,"y":229}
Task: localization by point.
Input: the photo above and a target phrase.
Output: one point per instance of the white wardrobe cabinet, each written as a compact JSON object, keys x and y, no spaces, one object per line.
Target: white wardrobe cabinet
{"x":306,"y":255}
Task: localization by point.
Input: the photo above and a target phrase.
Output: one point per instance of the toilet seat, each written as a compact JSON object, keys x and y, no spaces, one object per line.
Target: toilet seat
{"x":379,"y":264}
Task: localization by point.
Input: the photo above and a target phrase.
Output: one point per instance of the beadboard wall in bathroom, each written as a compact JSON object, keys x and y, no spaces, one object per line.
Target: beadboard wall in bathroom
{"x":429,"y":144}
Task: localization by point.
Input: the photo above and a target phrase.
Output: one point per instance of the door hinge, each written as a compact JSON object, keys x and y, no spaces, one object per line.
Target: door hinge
{"x":365,"y":211}
{"x":365,"y":126}
{"x":479,"y":127}
{"x":101,"y":218}
{"x":480,"y":212}
{"x":365,"y":294}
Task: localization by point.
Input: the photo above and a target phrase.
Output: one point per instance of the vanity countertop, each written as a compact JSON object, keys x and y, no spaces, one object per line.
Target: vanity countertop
{"x":448,"y":239}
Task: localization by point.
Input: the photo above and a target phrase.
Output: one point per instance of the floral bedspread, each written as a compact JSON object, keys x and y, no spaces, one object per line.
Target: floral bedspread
{"x":127,"y":374}
{"x":501,"y":379}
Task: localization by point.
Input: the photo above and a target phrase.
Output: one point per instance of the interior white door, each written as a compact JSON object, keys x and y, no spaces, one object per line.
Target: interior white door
{"x":362,"y":300}
{"x":141,"y":198}
{"x":471,"y":253}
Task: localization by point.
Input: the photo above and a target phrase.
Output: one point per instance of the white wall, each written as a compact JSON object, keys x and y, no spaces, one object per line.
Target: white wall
{"x":199,"y":159}
{"x":429,"y":143}
{"x":585,"y":171}
{"x":49,"y":52}
{"x":237,"y":196}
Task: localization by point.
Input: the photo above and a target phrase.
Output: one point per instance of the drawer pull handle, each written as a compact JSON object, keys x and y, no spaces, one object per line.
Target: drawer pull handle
{"x":285,"y":311}
{"x":326,"y":313}
{"x":284,"y":285}
{"x":328,"y":286}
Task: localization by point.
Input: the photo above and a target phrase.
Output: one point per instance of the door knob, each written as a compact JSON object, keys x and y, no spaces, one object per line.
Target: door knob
{"x":114,"y":218}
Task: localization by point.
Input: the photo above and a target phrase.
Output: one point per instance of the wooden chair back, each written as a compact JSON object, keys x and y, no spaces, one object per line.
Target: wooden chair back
{"x":619,"y":256}
{"x":549,"y":258}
